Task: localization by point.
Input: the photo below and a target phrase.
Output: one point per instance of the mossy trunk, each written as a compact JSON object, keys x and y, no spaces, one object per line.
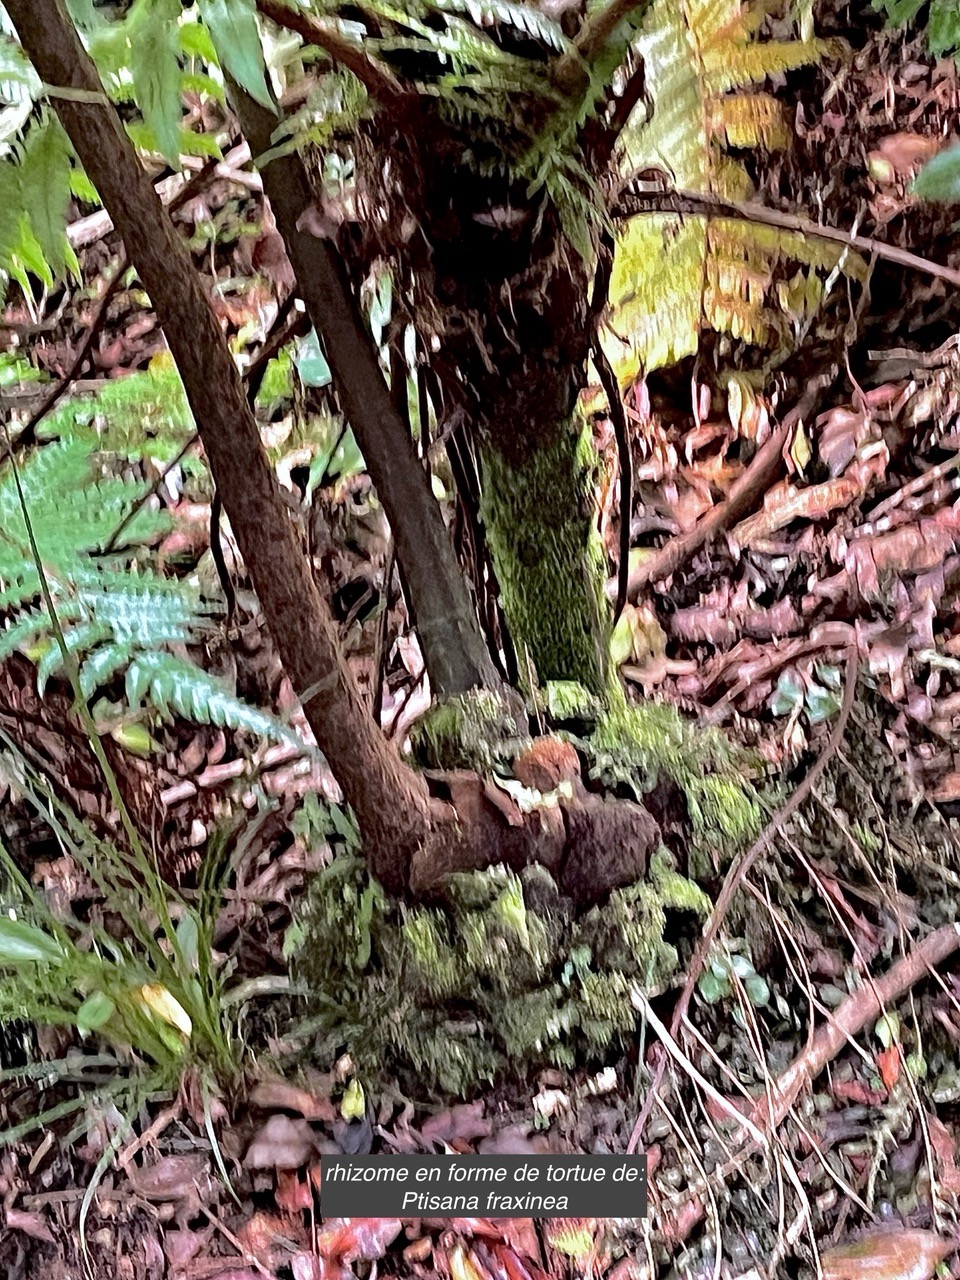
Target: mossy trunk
{"x":539,"y":512}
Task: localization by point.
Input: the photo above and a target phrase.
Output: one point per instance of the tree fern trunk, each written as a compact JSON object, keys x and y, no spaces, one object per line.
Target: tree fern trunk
{"x":539,"y":512}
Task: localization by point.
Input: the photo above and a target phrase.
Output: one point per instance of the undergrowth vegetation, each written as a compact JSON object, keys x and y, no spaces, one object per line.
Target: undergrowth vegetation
{"x":77,"y":565}
{"x":499,"y":977}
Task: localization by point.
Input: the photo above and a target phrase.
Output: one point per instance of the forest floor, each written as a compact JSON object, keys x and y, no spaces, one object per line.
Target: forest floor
{"x":854,"y":548}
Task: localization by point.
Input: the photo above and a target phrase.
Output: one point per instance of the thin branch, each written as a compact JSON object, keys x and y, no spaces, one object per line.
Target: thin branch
{"x":742,"y":497}
{"x":380,"y":82}
{"x":28,"y":435}
{"x":859,"y":1008}
{"x":693,"y":202}
{"x":618,"y":417}
{"x":571,"y":71}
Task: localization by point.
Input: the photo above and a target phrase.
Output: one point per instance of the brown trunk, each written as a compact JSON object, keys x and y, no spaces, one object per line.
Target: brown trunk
{"x":389,"y":799}
{"x":453,"y":648}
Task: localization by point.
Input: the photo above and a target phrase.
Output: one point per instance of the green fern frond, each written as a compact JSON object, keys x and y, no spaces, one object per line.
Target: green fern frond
{"x":74,"y":510}
{"x":112,"y":614}
{"x":143,"y":412}
{"x":177,"y":687}
{"x":510,"y":14}
{"x":103,"y":664}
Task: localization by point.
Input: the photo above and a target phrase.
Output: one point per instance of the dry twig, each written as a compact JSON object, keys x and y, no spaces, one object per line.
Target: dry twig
{"x":744,"y":492}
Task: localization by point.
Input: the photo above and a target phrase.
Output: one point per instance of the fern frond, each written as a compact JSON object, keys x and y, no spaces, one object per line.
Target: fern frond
{"x":671,"y":277}
{"x":145,"y":410}
{"x":747,"y":121}
{"x":732,"y":66}
{"x":74,"y":511}
{"x":76,"y":640}
{"x":521,"y":17}
{"x":176,"y":687}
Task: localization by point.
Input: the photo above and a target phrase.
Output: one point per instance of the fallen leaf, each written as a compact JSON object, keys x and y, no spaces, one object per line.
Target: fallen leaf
{"x":887,"y":1254}
{"x":293,"y":1194}
{"x":357,"y":1239}
{"x":31,"y":1224}
{"x":276,"y":1094}
{"x":464,"y":1123}
{"x":171,"y":1178}
{"x":888,"y":1060}
{"x":944,"y":1146}
{"x":282,"y":1143}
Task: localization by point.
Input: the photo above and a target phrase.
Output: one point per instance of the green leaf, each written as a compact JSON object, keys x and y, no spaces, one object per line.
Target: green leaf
{"x":195,"y":41}
{"x":188,"y":939}
{"x":939,"y":179}
{"x":84,"y":14}
{"x":95,"y":1012}
{"x":233,"y":25}
{"x":821,"y":704}
{"x":788,"y":694}
{"x":45,"y":189}
{"x":621,"y":641}
{"x":758,"y":991}
{"x":155,"y":68}
{"x":713,"y":988}
{"x":943,"y":27}
{"x":899,"y":11}
{"x":888,"y":1029}
{"x":311,"y":363}
{"x":22,"y":943}
{"x":135,"y":738}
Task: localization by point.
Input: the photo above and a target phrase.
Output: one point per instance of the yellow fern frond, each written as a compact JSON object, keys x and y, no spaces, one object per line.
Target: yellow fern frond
{"x":732,"y":66}
{"x":655,"y":293}
{"x":674,"y":276}
{"x":746,"y":121}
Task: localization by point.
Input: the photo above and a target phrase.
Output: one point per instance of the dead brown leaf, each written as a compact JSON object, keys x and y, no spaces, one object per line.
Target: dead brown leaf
{"x":282,"y":1143}
{"x":171,"y":1178}
{"x":465,"y":1123}
{"x":887,"y":1254}
{"x":31,"y":1224}
{"x":276,"y":1094}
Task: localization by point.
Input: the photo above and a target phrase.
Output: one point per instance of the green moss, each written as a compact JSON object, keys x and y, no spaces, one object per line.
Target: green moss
{"x":568,"y":700}
{"x":639,"y":745}
{"x":474,"y":730}
{"x":502,"y":977}
{"x":540,"y":519}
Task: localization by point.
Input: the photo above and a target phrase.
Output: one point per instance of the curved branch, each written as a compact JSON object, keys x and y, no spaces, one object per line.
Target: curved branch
{"x":390,"y":800}
{"x":380,"y":82}
{"x":632,"y":203}
{"x":572,"y":69}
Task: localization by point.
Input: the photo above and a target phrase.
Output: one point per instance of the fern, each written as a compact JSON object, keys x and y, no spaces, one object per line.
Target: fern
{"x":175,"y":686}
{"x":115,"y":615}
{"x":672,"y":276}
{"x":510,"y":14}
{"x":141,"y":413}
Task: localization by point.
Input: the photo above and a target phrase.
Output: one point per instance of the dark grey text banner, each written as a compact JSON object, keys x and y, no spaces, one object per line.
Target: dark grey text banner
{"x":488,"y":1186}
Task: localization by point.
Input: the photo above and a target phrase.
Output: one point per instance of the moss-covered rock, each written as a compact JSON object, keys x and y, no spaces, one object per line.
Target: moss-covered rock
{"x":638,"y":746}
{"x":474,"y":730}
{"x":502,"y":976}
